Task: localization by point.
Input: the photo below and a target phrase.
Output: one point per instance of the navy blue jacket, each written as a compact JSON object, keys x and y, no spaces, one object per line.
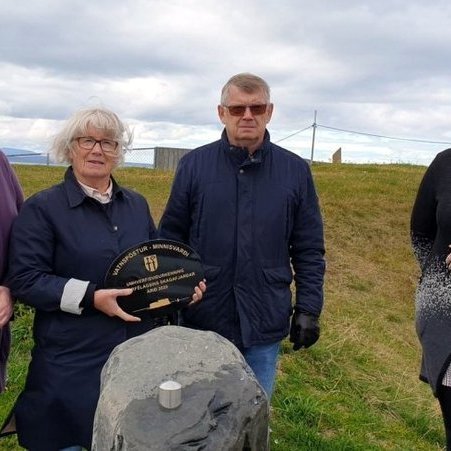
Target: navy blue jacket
{"x":249,"y":218}
{"x":61,"y":234}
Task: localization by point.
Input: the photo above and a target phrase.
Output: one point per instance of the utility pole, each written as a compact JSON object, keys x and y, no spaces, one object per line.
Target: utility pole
{"x":313,"y":138}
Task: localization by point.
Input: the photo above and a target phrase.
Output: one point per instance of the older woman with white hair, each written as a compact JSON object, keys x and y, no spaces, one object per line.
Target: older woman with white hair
{"x":62,"y":244}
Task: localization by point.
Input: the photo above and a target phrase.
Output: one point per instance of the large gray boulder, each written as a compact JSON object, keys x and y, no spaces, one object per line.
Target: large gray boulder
{"x":223,"y":406}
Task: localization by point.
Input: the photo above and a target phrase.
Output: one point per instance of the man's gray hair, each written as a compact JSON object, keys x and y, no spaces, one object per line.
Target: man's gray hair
{"x":247,"y":82}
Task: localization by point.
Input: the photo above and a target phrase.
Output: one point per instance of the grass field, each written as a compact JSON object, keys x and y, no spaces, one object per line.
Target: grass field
{"x":358,"y":387}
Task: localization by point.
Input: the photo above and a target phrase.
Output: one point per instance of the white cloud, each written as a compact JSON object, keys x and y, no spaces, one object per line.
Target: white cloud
{"x":380,"y":67}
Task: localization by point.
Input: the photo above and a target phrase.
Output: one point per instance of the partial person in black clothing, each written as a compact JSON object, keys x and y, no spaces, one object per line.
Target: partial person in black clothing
{"x":431,"y":240}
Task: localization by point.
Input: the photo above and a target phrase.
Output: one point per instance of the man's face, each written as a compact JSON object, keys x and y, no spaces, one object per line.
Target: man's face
{"x":246,"y":129}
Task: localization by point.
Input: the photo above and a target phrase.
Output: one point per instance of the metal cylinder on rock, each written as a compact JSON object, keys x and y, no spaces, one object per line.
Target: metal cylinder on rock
{"x":170,"y":394}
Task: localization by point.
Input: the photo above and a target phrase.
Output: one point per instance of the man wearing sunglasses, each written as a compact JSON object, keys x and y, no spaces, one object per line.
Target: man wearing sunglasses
{"x":250,"y":209}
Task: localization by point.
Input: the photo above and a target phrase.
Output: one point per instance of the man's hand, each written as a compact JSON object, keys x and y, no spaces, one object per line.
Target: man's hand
{"x":6,"y":305}
{"x":304,"y":330}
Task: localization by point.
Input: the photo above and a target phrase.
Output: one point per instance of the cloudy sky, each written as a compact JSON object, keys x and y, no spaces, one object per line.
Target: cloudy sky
{"x":378,"y":67}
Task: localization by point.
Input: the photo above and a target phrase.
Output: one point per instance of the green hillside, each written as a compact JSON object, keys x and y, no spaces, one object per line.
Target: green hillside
{"x":358,"y":387}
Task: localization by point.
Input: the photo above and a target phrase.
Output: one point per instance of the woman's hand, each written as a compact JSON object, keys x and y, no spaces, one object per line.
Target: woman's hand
{"x":198,"y":292}
{"x":448,"y":260}
{"x":106,"y":301}
{"x":6,"y":305}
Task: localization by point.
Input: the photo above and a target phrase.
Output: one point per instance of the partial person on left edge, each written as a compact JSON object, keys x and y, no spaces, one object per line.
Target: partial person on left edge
{"x":11,"y":199}
{"x":62,"y":245}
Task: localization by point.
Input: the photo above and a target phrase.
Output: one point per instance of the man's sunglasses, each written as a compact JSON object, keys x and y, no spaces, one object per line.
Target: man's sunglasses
{"x":240,"y":110}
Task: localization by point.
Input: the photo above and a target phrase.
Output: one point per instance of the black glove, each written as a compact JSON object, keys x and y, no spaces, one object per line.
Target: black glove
{"x":304,"y":330}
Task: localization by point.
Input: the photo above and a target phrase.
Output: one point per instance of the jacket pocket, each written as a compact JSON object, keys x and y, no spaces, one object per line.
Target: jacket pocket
{"x":211,"y":272}
{"x":278,"y":275}
{"x":275,"y":301}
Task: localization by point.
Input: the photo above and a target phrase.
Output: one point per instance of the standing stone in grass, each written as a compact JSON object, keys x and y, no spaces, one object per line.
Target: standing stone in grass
{"x":223,"y":406}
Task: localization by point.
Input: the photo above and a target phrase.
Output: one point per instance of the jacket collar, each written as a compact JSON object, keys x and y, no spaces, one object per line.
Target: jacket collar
{"x":240,"y":155}
{"x":75,"y":193}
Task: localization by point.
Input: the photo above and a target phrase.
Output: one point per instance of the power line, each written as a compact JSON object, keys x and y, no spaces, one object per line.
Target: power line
{"x":396,"y":138}
{"x":295,"y":133}
{"x":383,"y":136}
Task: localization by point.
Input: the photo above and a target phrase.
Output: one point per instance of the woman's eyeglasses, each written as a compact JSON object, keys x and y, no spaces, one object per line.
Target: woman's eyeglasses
{"x":88,"y":143}
{"x":240,"y":110}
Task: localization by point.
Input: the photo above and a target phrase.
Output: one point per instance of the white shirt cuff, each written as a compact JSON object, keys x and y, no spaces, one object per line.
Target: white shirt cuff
{"x":73,"y":293}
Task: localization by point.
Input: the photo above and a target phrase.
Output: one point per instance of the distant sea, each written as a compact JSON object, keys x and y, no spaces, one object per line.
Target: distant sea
{"x":22,"y":156}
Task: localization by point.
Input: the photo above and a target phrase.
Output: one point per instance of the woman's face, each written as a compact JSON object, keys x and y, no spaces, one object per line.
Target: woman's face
{"x":93,"y":167}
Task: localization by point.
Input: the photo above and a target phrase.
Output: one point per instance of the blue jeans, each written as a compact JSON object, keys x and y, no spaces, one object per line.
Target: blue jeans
{"x":263,"y":361}
{"x":72,"y":448}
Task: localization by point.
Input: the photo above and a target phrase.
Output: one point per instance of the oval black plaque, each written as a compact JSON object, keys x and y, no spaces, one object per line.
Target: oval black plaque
{"x":162,"y":273}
